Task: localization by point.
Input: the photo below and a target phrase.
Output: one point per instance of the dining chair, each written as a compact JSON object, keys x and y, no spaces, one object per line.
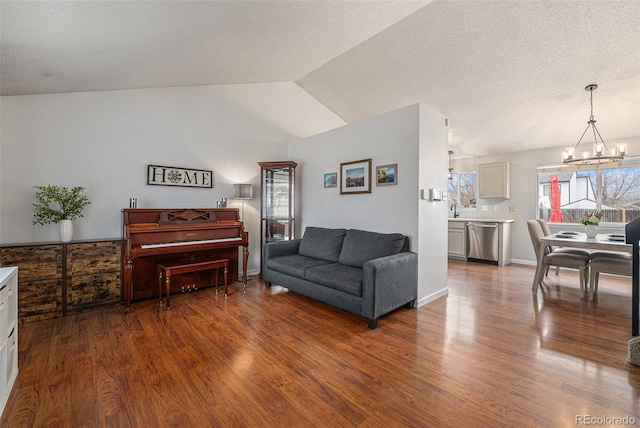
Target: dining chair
{"x":546,"y":230}
{"x":559,"y":258}
{"x":603,"y":262}
{"x":545,"y":226}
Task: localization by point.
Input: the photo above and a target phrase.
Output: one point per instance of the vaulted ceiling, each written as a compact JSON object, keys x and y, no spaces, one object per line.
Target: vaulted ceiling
{"x":509,"y":75}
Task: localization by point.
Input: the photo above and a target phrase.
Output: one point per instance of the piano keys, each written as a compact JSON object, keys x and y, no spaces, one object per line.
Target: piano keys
{"x":153,"y":236}
{"x":175,"y":244}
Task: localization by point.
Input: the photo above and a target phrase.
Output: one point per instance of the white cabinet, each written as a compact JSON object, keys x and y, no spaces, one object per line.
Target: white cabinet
{"x":494,"y":180}
{"x":457,"y":240}
{"x":8,"y":331}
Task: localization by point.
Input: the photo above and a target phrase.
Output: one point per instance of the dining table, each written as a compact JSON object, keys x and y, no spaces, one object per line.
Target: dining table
{"x":602,"y":241}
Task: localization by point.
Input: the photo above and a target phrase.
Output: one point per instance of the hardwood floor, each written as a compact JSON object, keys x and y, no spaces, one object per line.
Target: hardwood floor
{"x":488,"y":354}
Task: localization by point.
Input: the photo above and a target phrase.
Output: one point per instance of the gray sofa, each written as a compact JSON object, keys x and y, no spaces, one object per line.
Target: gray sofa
{"x":366,"y":273}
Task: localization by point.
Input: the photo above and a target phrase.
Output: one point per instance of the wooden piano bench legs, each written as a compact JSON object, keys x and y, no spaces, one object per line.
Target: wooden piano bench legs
{"x":165,"y":272}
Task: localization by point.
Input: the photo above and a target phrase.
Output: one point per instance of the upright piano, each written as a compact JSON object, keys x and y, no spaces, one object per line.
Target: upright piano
{"x":153,"y":236}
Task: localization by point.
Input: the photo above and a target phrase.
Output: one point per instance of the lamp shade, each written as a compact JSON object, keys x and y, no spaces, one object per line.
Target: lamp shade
{"x":242,"y":191}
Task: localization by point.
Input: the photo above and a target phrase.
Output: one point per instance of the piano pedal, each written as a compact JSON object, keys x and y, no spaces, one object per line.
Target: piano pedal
{"x":189,"y":287}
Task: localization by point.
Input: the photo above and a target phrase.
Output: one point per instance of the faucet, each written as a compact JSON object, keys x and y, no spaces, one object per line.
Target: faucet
{"x":454,"y":207}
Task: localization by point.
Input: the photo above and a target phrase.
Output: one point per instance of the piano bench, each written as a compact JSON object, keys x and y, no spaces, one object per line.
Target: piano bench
{"x":165,"y":272}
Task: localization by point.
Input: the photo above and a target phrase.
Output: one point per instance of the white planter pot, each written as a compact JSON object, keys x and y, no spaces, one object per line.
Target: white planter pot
{"x":591,"y":230}
{"x":66,"y":230}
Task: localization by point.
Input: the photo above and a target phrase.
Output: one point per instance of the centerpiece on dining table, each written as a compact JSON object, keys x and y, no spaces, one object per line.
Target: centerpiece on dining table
{"x":591,"y":222}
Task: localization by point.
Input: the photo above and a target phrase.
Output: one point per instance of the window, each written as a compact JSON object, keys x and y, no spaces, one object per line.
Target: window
{"x":614,"y":190}
{"x":462,"y":189}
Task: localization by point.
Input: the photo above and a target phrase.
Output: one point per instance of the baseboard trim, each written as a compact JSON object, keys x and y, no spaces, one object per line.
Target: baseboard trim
{"x":523,"y":262}
{"x":250,"y":273}
{"x":431,"y":297}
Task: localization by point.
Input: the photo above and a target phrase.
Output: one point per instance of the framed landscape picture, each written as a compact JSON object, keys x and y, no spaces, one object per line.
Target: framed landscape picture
{"x":355,"y":177}
{"x":331,"y":180}
{"x":387,"y":175}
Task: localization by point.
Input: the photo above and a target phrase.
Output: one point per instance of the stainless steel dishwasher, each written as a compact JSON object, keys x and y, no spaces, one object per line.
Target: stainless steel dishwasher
{"x":483,"y":242}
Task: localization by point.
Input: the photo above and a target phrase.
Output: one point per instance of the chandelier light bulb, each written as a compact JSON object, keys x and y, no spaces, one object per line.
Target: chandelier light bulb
{"x":598,"y":150}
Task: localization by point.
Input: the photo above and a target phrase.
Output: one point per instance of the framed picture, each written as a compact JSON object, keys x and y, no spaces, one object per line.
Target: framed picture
{"x":387,"y":175}
{"x":331,"y":180}
{"x":355,"y":177}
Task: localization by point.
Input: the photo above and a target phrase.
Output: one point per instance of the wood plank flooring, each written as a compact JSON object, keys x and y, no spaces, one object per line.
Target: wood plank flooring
{"x":488,"y":354}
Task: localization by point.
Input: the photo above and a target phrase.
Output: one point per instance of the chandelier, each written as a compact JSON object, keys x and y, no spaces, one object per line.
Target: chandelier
{"x":600,"y":152}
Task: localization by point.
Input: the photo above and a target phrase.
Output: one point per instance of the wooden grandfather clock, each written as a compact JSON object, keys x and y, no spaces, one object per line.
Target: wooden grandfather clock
{"x":277,"y":186}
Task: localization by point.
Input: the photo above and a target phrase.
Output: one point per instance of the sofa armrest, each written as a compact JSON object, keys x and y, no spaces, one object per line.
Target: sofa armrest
{"x":388,"y":283}
{"x":277,"y":249}
{"x":281,"y":248}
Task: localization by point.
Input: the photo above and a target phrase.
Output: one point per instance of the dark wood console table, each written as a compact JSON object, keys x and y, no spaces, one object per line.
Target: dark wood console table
{"x":57,"y":279}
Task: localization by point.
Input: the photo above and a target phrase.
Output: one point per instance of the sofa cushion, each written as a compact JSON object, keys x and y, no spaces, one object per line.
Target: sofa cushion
{"x":361,"y":246}
{"x":294,"y":265}
{"x":321,"y":243}
{"x":339,"y":277}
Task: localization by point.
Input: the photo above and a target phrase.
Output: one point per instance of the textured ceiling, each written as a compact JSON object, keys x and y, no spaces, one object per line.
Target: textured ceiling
{"x":510,"y":75}
{"x":72,"y":46}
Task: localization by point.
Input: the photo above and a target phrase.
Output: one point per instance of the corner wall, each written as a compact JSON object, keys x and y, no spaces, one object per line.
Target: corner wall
{"x":412,"y":137}
{"x":433,"y":223}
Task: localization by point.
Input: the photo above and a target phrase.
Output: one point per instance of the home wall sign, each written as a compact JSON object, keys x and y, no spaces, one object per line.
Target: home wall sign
{"x":176,"y":176}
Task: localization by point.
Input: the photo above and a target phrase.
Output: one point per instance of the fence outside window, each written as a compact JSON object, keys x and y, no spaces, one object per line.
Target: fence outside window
{"x":613,"y":189}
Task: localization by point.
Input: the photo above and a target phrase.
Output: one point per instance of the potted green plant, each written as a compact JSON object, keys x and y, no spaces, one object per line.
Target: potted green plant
{"x":55,"y":204}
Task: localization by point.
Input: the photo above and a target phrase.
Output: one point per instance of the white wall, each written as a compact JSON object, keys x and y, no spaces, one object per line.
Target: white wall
{"x":104,"y":141}
{"x":388,"y":138}
{"x":523,"y":193}
{"x":434,"y":138}
{"x":415,"y":138}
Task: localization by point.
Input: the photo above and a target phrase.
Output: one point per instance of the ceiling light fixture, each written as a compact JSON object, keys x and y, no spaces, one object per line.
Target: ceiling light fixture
{"x":450,"y":166}
{"x":600,"y":153}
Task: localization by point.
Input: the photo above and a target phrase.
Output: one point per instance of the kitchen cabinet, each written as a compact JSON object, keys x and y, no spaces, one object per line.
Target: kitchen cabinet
{"x":8,"y":331}
{"x":457,"y":240}
{"x":494,"y":180}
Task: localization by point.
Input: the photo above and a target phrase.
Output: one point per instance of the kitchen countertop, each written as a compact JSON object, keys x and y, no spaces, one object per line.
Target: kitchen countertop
{"x":483,"y":220}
